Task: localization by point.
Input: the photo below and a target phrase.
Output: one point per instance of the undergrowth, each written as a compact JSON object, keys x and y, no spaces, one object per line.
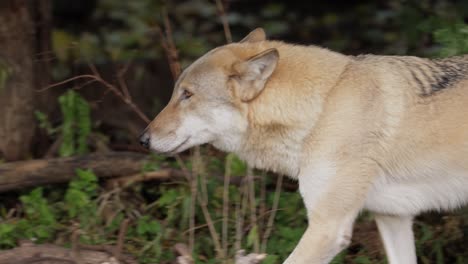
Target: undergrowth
{"x":159,"y":217}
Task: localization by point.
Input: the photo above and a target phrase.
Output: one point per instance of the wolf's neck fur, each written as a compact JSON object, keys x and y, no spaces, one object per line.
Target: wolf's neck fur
{"x":289,"y":106}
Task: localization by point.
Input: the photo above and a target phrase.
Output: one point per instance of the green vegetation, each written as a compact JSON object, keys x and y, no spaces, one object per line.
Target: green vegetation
{"x":453,"y":39}
{"x":76,"y":124}
{"x":159,"y":216}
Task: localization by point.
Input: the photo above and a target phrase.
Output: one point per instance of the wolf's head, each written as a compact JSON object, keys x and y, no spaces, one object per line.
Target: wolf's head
{"x":210,"y":100}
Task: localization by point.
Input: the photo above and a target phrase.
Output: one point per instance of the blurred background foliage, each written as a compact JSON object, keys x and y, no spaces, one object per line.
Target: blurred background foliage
{"x":121,"y":30}
{"x":111,"y":34}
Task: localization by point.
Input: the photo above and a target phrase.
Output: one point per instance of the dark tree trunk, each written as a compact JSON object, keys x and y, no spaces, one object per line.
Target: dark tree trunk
{"x":41,"y":11}
{"x":25,"y":29}
{"x":46,"y":100}
{"x":17,"y":88}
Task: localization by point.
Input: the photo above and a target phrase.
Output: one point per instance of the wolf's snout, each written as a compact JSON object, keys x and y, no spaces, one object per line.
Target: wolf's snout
{"x":145,"y":139}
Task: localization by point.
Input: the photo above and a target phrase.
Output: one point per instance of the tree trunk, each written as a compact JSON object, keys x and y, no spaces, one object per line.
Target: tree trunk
{"x":17,"y":80}
{"x":46,"y":100}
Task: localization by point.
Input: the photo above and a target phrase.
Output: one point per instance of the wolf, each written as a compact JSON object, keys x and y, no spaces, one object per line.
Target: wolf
{"x":387,"y":134}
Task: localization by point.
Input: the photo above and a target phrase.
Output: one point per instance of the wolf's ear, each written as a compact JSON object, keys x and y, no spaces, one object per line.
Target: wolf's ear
{"x":253,"y":73}
{"x":256,"y":35}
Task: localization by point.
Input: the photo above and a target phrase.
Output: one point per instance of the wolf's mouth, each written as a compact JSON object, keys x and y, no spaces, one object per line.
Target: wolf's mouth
{"x":175,"y":150}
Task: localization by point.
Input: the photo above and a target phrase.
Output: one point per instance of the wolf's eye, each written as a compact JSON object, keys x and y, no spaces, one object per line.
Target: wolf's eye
{"x":186,"y":95}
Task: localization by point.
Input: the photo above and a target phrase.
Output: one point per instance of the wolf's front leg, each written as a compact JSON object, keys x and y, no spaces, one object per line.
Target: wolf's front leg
{"x":333,"y":197}
{"x":321,"y":242}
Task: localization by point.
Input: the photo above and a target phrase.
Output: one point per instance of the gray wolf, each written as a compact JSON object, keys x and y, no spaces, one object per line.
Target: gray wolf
{"x":387,"y":134}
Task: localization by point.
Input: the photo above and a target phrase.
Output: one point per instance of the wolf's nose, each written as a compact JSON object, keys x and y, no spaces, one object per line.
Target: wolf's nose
{"x":145,"y":140}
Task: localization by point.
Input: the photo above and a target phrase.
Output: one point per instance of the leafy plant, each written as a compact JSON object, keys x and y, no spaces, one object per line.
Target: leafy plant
{"x":76,"y":125}
{"x":80,"y":194}
{"x":238,"y":167}
{"x":7,"y":235}
{"x":40,"y":219}
{"x":44,"y":122}
{"x":453,"y":39}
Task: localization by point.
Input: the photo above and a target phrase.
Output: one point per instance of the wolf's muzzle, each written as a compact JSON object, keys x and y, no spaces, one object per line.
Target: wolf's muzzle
{"x":145,"y":139}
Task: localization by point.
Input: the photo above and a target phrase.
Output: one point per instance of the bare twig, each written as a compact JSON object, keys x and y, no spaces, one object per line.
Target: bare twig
{"x":10,"y":213}
{"x":168,"y":44}
{"x":211,"y":227}
{"x":237,"y":213}
{"x":75,"y":240}
{"x":54,"y":148}
{"x":241,"y":209}
{"x":123,"y":84}
{"x":224,"y":20}
{"x":194,"y":194}
{"x":183,"y":167}
{"x":227,"y":176}
{"x":262,"y":207}
{"x":253,"y":211}
{"x":163,"y":174}
{"x":203,"y":184}
{"x":203,"y":204}
{"x":81,"y":86}
{"x":96,"y":77}
{"x":193,"y":205}
{"x":121,"y":239}
{"x":124,"y":87}
{"x":83,"y":76}
{"x":271,"y":219}
{"x":203,"y":201}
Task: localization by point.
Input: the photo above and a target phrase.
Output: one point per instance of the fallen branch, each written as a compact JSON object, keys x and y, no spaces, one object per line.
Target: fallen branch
{"x":22,"y":174}
{"x":164,"y":174}
{"x":120,"y":168}
{"x":46,"y":254}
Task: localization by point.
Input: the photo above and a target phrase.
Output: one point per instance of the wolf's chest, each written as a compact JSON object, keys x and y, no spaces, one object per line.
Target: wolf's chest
{"x":281,"y":162}
{"x":273,"y":152}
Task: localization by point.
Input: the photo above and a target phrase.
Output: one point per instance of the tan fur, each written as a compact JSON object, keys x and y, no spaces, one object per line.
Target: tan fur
{"x":383,"y":133}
